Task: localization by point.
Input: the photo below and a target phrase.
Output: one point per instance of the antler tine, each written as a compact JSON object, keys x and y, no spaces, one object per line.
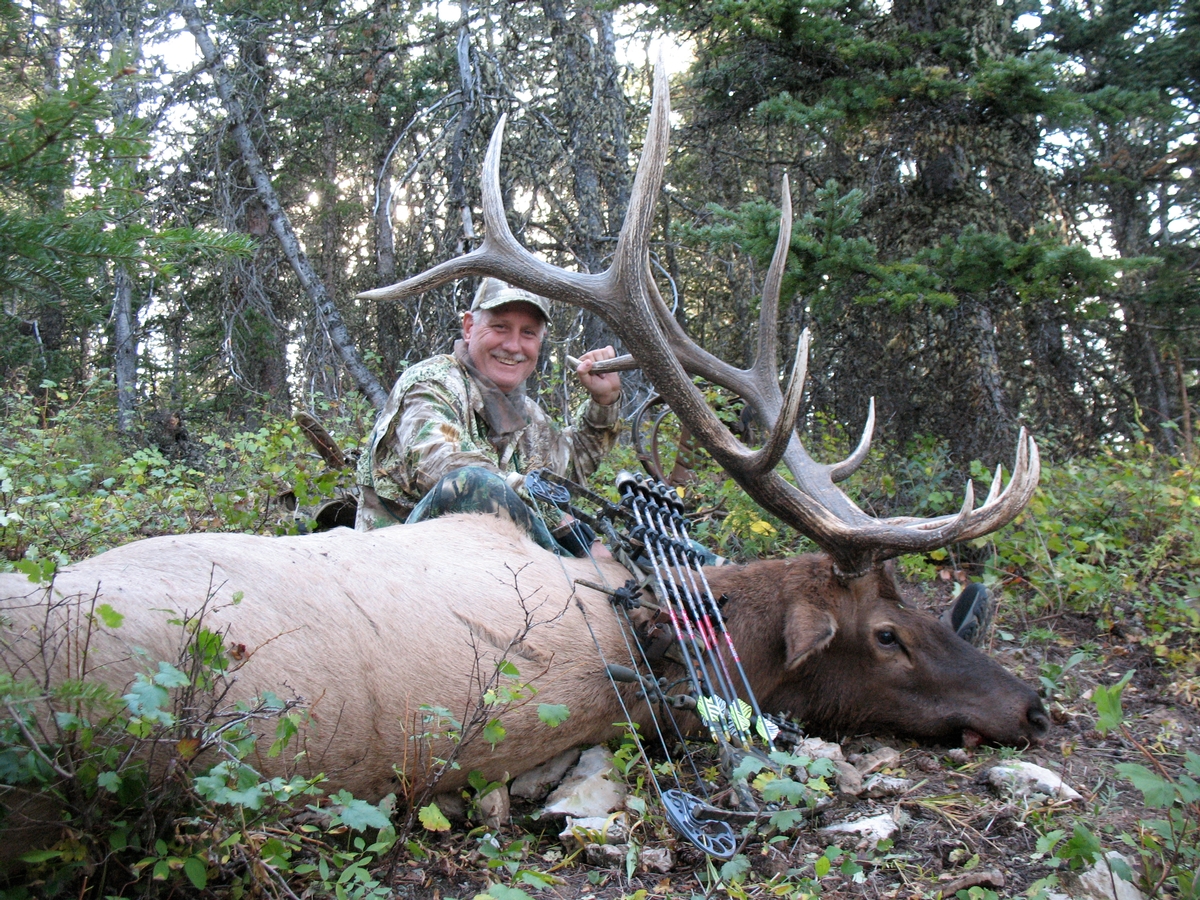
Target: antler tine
{"x":999,"y":507}
{"x":785,"y":426}
{"x":849,"y":465}
{"x":768,"y":310}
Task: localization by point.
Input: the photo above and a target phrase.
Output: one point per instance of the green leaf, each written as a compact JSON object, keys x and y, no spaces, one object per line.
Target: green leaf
{"x":110,"y":781}
{"x":535,"y":879}
{"x":168,"y":676}
{"x":505,"y":667}
{"x":432,"y":818}
{"x":39,"y":856}
{"x":39,"y":571}
{"x":109,"y":616}
{"x":361,"y":815}
{"x":145,"y":698}
{"x":553,"y":714}
{"x":1108,"y":704}
{"x":784,"y":789}
{"x":786,"y":819}
{"x":493,"y":732}
{"x":734,"y":871}
{"x":503,"y":892}
{"x":196,"y":872}
{"x":1157,"y":792}
{"x":1082,"y":849}
{"x":749,"y":765}
{"x":822,"y":866}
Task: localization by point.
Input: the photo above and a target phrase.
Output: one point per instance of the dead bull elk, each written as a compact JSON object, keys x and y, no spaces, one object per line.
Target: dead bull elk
{"x":368,"y":627}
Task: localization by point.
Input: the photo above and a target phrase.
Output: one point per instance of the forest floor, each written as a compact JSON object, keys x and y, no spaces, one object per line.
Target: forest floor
{"x":958,"y":833}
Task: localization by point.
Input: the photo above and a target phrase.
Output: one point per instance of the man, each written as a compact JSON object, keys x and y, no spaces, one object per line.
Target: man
{"x":458,"y":431}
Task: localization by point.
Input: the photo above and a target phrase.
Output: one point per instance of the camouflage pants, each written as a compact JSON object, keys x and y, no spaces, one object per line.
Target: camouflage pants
{"x":476,"y":490}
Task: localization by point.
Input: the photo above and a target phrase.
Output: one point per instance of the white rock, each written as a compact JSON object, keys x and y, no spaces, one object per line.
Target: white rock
{"x":815,"y":748}
{"x":1101,"y":883}
{"x":1024,"y":779}
{"x":849,"y":779}
{"x":882,"y":758}
{"x":879,"y":785}
{"x":536,"y":783}
{"x":612,"y":829}
{"x":605,"y":855}
{"x":864,"y":833}
{"x":587,"y":791}
{"x":658,"y":859}
{"x":495,"y":807}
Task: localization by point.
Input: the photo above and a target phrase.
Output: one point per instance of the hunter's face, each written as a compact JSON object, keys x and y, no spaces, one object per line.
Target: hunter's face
{"x":503,"y":343}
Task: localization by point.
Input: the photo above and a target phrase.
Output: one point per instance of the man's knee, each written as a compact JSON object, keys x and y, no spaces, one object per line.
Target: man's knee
{"x":470,"y":489}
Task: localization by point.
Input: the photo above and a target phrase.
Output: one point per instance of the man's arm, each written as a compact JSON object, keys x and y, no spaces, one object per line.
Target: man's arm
{"x":600,"y":420}
{"x":431,"y":437}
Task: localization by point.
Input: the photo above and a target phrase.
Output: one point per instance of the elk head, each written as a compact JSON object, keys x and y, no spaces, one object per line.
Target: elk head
{"x":627,"y":299}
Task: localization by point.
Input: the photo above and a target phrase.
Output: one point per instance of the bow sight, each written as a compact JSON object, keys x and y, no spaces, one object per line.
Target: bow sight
{"x":647,"y":531}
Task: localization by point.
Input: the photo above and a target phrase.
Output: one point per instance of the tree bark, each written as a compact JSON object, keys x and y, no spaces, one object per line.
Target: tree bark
{"x":281,"y":225}
{"x":124,"y":348}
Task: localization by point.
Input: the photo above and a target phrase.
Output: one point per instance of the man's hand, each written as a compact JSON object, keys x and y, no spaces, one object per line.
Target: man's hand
{"x":605,"y":389}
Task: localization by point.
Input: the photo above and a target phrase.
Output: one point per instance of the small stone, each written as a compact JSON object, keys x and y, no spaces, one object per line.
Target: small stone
{"x":879,"y":785}
{"x":926,"y":762}
{"x":496,"y":808}
{"x":537,"y":782}
{"x":1101,"y":881}
{"x":612,"y":829}
{"x":587,"y":791}
{"x":863,"y":834}
{"x":883,"y":758}
{"x":849,"y":781}
{"x":605,"y":855}
{"x":452,"y":806}
{"x":658,"y":859}
{"x":1024,"y":779}
{"x":959,"y":756}
{"x":815,"y":748}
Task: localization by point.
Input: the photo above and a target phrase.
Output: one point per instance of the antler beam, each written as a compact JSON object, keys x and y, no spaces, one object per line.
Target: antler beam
{"x":627,"y":299}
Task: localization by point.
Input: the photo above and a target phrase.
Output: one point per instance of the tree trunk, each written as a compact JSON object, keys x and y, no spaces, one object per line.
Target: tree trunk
{"x":466,"y":119}
{"x":124,"y":322}
{"x":281,"y":225}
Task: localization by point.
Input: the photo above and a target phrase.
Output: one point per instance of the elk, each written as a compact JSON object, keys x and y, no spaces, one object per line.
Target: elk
{"x":368,"y":627}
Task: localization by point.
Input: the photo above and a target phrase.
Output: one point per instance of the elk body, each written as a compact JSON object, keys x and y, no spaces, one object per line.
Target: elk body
{"x":366,"y":628}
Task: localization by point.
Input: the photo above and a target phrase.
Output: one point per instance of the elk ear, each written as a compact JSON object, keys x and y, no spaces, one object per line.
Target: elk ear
{"x":807,"y":631}
{"x":971,"y":614}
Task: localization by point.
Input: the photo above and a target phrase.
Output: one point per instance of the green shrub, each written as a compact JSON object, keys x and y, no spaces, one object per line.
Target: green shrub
{"x":70,"y":486}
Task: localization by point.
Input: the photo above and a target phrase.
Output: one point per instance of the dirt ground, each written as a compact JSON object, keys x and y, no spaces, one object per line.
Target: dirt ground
{"x":958,"y":832}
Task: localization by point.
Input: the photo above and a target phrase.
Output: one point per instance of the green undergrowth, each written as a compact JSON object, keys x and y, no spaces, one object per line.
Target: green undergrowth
{"x":71,"y":486}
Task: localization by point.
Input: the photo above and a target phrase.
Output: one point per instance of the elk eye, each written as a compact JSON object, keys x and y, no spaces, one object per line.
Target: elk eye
{"x":886,"y":637}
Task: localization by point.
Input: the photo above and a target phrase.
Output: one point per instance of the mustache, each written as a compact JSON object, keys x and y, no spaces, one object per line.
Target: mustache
{"x":513,"y":358}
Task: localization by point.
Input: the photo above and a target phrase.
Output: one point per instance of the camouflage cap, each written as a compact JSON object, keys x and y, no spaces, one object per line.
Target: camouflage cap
{"x":494,"y":293}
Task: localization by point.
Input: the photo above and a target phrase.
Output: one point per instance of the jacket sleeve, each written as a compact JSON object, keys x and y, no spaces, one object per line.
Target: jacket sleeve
{"x":429,"y":437}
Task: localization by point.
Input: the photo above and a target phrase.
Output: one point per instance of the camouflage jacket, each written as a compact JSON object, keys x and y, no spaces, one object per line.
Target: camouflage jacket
{"x":431,"y":425}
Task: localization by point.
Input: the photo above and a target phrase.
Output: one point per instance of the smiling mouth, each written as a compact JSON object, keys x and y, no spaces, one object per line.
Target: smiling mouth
{"x":508,"y":361}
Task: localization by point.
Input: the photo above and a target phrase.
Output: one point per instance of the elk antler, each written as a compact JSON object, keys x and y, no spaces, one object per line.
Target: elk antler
{"x":626,"y":298}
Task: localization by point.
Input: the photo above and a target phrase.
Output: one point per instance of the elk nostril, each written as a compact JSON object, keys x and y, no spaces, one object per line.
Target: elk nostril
{"x":1038,"y":720}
